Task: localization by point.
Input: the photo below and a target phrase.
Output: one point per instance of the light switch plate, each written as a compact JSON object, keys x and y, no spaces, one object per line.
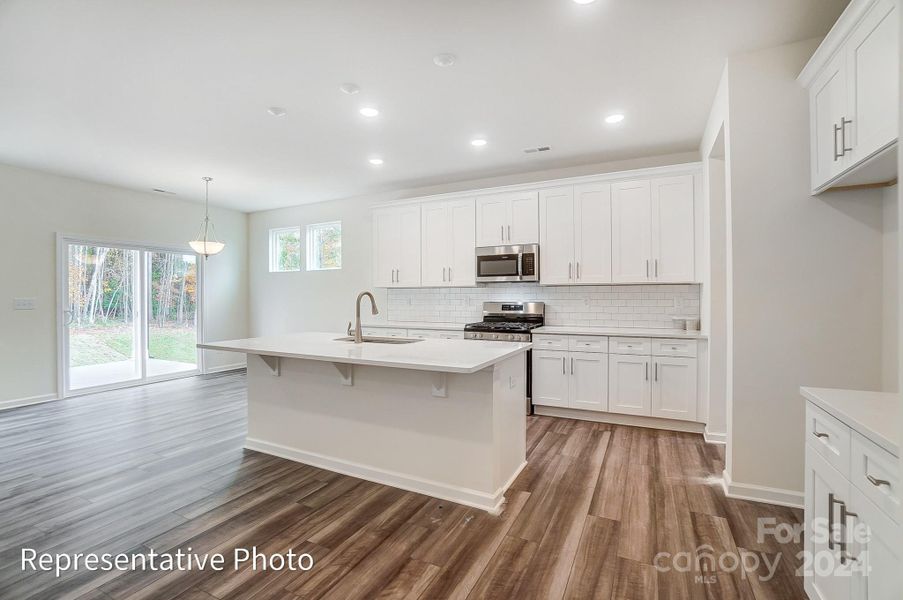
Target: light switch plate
{"x":25,"y":303}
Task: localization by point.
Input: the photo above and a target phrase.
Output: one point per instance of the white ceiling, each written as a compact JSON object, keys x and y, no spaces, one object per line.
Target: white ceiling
{"x":159,"y":93}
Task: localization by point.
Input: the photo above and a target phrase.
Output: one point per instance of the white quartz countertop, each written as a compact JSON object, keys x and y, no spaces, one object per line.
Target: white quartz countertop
{"x":448,"y":356}
{"x":873,"y":414}
{"x":620,"y":332}
{"x":417,"y":325}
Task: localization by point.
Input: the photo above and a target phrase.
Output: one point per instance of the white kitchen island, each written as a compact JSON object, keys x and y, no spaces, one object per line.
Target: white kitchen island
{"x":441,"y":417}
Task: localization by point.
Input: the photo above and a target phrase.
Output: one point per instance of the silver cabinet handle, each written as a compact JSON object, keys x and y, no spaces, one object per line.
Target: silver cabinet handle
{"x":647,"y":268}
{"x":844,"y":513}
{"x":647,"y":371}
{"x":656,"y":267}
{"x":397,"y":275}
{"x":843,"y":136}
{"x":572,"y":365}
{"x":563,"y":368}
{"x":836,"y":155}
{"x":509,"y":233}
{"x":656,"y":371}
{"x":443,"y":273}
{"x":831,"y":502}
{"x":877,"y":482}
{"x":569,"y":270}
{"x":449,"y":274}
{"x":819,"y":434}
{"x":502,"y":229}
{"x":578,"y":269}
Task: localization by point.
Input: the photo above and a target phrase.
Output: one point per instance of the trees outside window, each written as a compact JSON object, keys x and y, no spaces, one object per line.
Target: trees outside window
{"x":324,"y":246}
{"x":285,"y":249}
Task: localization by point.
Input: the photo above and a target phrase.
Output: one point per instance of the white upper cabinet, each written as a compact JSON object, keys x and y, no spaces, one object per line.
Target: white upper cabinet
{"x":575,"y":234}
{"x":854,"y":97}
{"x":556,"y":237}
{"x":508,"y":218}
{"x":631,"y":231}
{"x":396,"y":246}
{"x":673,"y":225}
{"x":447,"y":246}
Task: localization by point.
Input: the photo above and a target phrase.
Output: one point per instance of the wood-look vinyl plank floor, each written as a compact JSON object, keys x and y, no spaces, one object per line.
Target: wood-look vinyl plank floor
{"x":162,"y":466}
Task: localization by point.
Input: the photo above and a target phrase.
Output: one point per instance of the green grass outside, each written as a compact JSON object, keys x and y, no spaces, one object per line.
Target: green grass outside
{"x":99,"y":345}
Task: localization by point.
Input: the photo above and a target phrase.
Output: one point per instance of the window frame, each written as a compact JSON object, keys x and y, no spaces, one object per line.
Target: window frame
{"x":273,"y":249}
{"x":313,"y":253}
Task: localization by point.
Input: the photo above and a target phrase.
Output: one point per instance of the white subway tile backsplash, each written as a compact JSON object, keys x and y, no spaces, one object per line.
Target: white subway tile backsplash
{"x":650,"y":306}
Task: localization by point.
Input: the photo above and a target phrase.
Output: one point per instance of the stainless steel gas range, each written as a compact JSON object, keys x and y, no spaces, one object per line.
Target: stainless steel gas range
{"x":510,"y":322}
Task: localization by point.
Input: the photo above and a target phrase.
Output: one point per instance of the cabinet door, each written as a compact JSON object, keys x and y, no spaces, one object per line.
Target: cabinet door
{"x":550,"y":378}
{"x":673,"y":226}
{"x":386,"y":235}
{"x":435,"y":233}
{"x":872,"y":63}
{"x":556,"y":240}
{"x":408,"y":257}
{"x":461,"y":256}
{"x":827,"y":100}
{"x":629,"y":385}
{"x":874,"y":544}
{"x":588,"y":387}
{"x":631,"y":217}
{"x":523,"y":218}
{"x":674,"y":388}
{"x":492,"y":219}
{"x":592,"y":233}
{"x":825,"y":579}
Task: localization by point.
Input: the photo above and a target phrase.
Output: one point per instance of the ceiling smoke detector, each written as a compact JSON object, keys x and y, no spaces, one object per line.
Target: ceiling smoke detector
{"x":277,"y":111}
{"x":444,"y":60}
{"x":537,"y":149}
{"x":350,"y":88}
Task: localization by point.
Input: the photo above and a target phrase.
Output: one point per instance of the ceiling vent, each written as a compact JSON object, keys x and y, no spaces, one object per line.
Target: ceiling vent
{"x":537,"y":149}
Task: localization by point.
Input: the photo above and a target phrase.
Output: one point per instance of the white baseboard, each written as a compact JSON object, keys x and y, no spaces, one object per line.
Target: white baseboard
{"x":225,"y":368}
{"x":714,"y":438}
{"x":760,"y":493}
{"x":16,"y":402}
{"x":618,"y":419}
{"x":491,"y":503}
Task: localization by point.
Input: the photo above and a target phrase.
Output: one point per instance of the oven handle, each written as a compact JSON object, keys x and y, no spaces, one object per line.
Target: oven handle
{"x":520,"y":265}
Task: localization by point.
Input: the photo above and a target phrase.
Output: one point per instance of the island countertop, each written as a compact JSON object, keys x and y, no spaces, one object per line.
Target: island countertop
{"x":447,"y":356}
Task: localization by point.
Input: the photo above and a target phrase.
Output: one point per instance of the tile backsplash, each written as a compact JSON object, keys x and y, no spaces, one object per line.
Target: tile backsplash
{"x":597,"y":305}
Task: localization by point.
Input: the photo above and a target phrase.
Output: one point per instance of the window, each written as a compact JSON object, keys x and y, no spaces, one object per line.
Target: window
{"x":324,"y":246}
{"x":285,"y":249}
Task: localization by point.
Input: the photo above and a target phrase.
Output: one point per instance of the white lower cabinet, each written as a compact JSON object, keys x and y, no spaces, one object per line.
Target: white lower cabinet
{"x":550,"y":378}
{"x":674,"y":388}
{"x":588,"y":382}
{"x":852,"y":546}
{"x":629,"y":385}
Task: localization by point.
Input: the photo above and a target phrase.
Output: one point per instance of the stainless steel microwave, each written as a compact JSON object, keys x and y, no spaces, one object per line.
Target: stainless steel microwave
{"x":508,"y":263}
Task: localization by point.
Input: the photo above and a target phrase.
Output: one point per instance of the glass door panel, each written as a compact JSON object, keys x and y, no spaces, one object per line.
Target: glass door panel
{"x":172,"y":313}
{"x":103,"y":334}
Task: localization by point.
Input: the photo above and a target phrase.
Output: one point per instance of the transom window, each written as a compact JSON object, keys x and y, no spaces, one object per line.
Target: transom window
{"x":324,"y":246}
{"x":285,"y":249}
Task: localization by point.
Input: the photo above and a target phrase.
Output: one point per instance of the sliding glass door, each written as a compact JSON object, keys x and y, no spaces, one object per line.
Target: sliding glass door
{"x":130,"y":315}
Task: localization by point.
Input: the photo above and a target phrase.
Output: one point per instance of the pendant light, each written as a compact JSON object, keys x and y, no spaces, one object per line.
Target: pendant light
{"x":205,"y":242}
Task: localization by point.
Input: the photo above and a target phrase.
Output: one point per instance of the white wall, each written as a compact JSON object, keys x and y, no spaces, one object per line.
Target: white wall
{"x":806,"y":271}
{"x":889,"y":342}
{"x":324,"y":300}
{"x":36,"y":206}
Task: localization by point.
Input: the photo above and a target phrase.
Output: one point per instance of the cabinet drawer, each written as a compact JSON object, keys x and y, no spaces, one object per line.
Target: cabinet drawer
{"x":550,"y":342}
{"x":627,"y":345}
{"x":586,"y":343}
{"x":451,"y":335}
{"x":875,"y":472}
{"x":685,"y":348}
{"x":829,"y":437}
{"x":423,"y":334}
{"x":384,"y":331}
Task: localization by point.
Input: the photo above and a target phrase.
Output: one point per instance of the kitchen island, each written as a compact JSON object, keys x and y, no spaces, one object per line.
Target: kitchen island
{"x":441,"y":417}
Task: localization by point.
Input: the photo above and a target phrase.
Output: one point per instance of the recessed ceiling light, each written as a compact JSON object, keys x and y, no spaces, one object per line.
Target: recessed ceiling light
{"x":369,"y":111}
{"x":376,"y":161}
{"x":478,"y":142}
{"x":349,"y":88}
{"x":584,"y":1}
{"x":277,"y":111}
{"x":615,"y":118}
{"x":444,"y":60}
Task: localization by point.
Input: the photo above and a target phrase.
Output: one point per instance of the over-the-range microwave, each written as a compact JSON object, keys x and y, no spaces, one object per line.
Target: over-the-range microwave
{"x":508,"y":263}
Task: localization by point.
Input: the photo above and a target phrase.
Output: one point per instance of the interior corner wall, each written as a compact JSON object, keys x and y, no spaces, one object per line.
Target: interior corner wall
{"x":890,"y":364}
{"x":36,"y":206}
{"x":806,"y":271}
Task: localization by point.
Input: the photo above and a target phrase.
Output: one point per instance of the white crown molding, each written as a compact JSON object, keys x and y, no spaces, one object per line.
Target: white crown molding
{"x":841,"y":30}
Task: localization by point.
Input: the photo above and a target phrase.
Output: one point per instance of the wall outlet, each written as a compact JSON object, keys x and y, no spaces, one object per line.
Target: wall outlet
{"x":25,"y":303}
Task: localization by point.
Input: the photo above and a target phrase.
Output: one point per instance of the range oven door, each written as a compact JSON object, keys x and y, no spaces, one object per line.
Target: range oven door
{"x":508,"y":263}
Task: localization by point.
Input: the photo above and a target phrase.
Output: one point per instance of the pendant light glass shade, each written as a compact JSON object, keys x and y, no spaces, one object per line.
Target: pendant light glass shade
{"x":205,"y":242}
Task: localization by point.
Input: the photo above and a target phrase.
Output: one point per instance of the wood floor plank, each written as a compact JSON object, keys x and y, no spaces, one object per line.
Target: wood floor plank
{"x":595,"y":566}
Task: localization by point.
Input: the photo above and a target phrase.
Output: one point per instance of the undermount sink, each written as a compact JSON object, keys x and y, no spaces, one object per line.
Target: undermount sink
{"x":372,"y":339}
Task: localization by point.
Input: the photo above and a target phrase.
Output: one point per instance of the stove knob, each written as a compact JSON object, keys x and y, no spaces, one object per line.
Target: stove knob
{"x":478,"y":336}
